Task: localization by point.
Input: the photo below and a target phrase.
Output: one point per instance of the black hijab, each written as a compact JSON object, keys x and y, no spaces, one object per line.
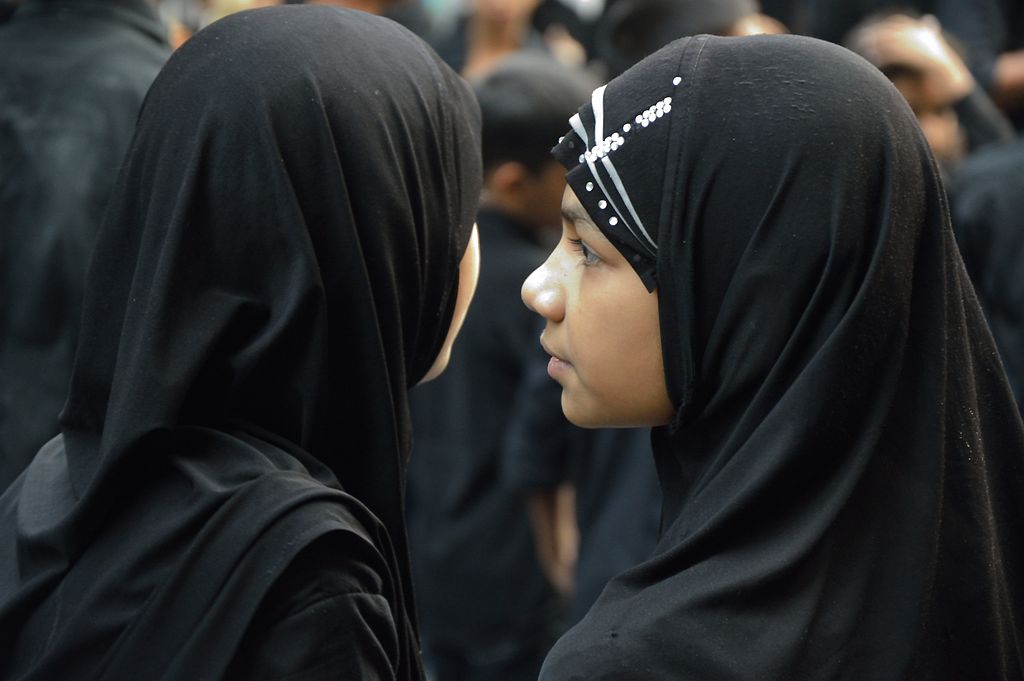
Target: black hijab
{"x":277,"y":268}
{"x":843,"y":481}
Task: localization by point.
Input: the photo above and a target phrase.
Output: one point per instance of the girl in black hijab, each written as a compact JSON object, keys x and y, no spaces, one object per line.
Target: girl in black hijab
{"x":279,"y":265}
{"x":756,"y":230}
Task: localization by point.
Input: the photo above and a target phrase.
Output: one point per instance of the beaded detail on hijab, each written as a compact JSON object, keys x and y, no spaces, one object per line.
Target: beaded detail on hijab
{"x":612,"y":207}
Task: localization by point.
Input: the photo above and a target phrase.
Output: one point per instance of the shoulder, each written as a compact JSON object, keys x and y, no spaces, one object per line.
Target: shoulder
{"x":328,"y":616}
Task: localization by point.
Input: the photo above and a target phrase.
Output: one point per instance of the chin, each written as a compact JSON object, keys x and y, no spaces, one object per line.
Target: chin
{"x":575,"y":415}
{"x":582,"y":423}
{"x":586,"y":416}
{"x":590,"y":416}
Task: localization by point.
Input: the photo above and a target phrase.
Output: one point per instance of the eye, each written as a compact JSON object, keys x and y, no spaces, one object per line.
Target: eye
{"x":589,"y":257}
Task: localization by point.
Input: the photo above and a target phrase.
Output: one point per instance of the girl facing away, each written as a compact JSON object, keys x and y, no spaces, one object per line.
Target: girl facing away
{"x":290,"y":248}
{"x":757,"y":260}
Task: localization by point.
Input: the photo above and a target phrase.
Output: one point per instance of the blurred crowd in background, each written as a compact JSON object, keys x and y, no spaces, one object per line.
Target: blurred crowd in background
{"x":516,"y":518}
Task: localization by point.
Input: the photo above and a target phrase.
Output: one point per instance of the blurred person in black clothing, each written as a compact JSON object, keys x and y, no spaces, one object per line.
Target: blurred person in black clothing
{"x":616,"y":501}
{"x":74,"y":76}
{"x":7,"y":8}
{"x":487,"y":609}
{"x":955,"y":113}
{"x":632,"y":29}
{"x":409,"y":13}
{"x":987,"y":197}
{"x":991,"y":32}
{"x":491,"y":30}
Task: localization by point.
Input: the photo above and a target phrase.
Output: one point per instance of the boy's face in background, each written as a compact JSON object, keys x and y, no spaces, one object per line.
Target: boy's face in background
{"x":531,"y":197}
{"x":543,"y":197}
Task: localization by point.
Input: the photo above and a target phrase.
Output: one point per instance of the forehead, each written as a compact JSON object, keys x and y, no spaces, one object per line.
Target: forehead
{"x":574,"y":212}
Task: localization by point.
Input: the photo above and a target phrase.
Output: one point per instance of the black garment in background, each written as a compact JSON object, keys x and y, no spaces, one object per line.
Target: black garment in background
{"x":982,"y":121}
{"x":988,"y":28}
{"x":844,"y":478}
{"x":409,"y":13}
{"x":832,"y":19}
{"x":555,"y":12}
{"x":278,"y":266}
{"x":629,"y":30}
{"x":412,"y":15}
{"x":984,"y":28}
{"x":618,"y":502}
{"x":618,"y":508}
{"x":73,"y":77}
{"x":786,"y":11}
{"x":988,"y":218}
{"x":487,"y":609}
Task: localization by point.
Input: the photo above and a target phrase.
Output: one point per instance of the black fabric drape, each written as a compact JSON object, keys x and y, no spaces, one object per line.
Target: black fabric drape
{"x":278,"y":266}
{"x":74,"y":76}
{"x":843,"y":480}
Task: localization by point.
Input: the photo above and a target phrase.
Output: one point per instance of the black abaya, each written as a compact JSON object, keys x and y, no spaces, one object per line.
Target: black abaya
{"x":843,"y":480}
{"x":277,"y":268}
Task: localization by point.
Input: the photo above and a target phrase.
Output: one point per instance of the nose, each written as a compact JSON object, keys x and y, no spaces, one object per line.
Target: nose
{"x":543,"y":292}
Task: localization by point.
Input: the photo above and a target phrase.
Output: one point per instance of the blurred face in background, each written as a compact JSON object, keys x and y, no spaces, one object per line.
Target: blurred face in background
{"x":544,"y":191}
{"x":532,"y":197}
{"x":217,"y":9}
{"x":370,"y":6}
{"x":505,"y":11}
{"x":930,"y":74}
{"x":938,"y":120}
{"x":757,"y":24}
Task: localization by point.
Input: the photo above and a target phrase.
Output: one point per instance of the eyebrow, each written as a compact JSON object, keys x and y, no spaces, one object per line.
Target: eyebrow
{"x":577,"y":215}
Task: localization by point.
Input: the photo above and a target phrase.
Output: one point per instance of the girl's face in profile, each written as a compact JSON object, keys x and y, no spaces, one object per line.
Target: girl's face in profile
{"x":602,"y":328}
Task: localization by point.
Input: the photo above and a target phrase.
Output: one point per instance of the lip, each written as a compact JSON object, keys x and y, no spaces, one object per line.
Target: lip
{"x":547,"y":349}
{"x":556,"y":365}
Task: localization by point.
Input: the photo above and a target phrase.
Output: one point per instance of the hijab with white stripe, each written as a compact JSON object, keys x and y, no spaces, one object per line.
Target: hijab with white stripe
{"x":844,"y":477}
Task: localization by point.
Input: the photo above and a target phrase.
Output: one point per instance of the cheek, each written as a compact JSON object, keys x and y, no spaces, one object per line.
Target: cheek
{"x":619,"y":363}
{"x":635,"y":388}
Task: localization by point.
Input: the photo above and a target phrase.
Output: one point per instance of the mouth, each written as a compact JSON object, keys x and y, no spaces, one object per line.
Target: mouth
{"x":556,"y":365}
